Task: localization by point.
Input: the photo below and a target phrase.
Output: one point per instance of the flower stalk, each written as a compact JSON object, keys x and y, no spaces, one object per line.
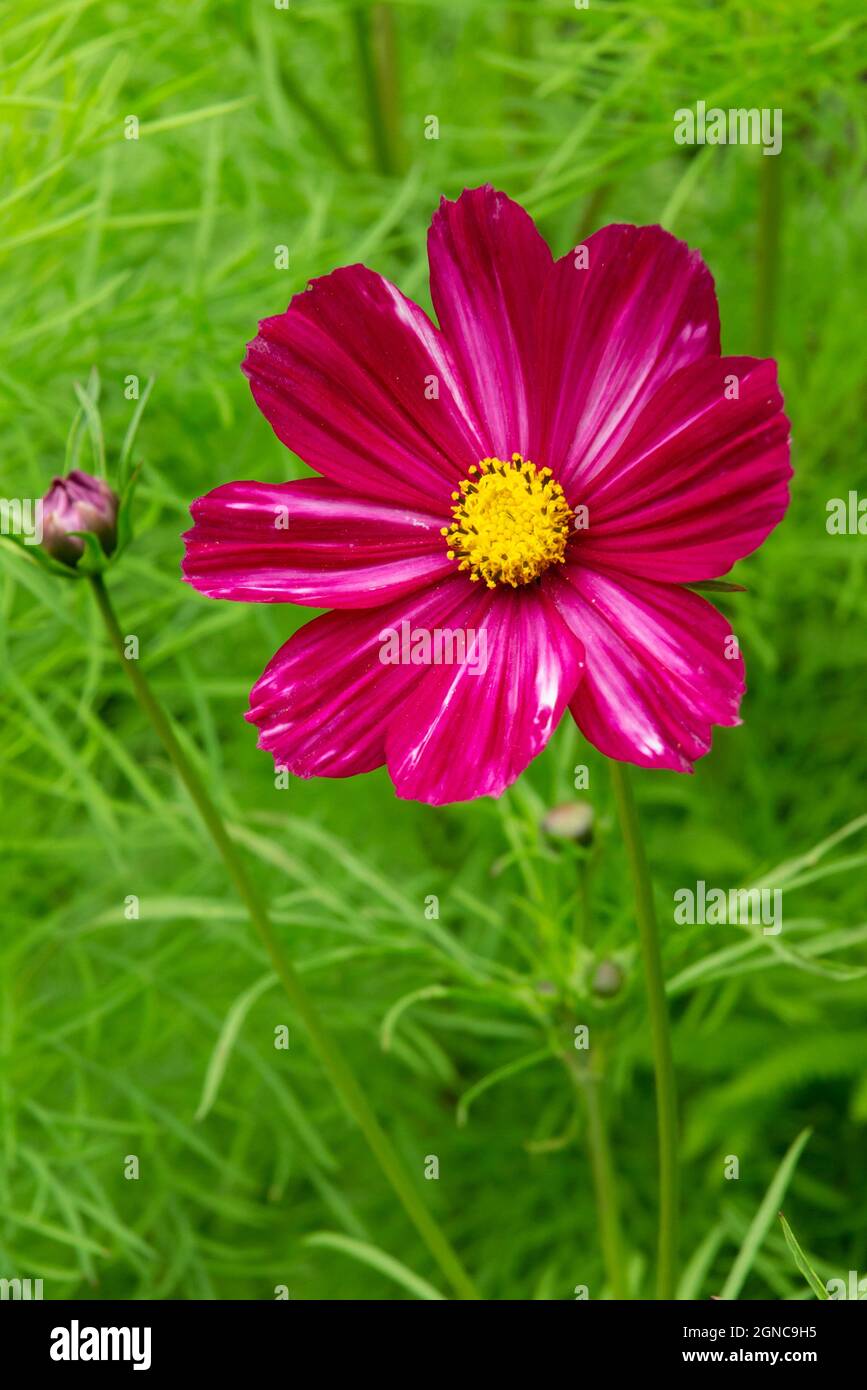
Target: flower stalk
{"x":666,"y":1096}
{"x":589,"y":1086}
{"x":768,"y":251}
{"x":328,"y":1051}
{"x":376,"y":47}
{"x":589,"y":1081}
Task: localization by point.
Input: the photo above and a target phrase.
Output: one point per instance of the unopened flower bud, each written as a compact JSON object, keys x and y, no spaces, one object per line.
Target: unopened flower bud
{"x":607,"y":979}
{"x":78,"y":503}
{"x":572,"y":821}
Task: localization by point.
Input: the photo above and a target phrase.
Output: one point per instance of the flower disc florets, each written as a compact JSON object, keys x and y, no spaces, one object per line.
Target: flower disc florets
{"x":511,"y":522}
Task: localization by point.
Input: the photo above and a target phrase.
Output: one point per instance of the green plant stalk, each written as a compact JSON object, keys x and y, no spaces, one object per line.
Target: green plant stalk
{"x":377,"y":62}
{"x":666,"y":1096}
{"x":339,"y":1073}
{"x":589,"y":1087}
{"x":768,"y":250}
{"x":584,"y":903}
{"x":604,"y":1178}
{"x":593,"y":211}
{"x":387,"y":62}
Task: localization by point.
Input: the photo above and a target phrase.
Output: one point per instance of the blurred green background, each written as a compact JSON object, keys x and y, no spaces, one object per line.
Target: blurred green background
{"x":304,"y":127}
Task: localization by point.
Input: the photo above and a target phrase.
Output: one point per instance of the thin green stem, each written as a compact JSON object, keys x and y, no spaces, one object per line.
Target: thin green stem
{"x":589,"y":1087}
{"x":666,"y":1100}
{"x":583,"y":902}
{"x":376,"y":47}
{"x":768,"y":250}
{"x":340,"y":1075}
{"x":592,"y":211}
{"x":387,"y":61}
{"x":589,"y":1084}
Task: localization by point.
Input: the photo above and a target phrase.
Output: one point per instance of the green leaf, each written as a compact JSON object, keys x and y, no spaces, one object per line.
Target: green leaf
{"x":94,"y":560}
{"x":37,"y":556}
{"x":801,"y":1260}
{"x":124,"y":513}
{"x":226,"y":1041}
{"x":130,"y":437}
{"x":88,"y":402}
{"x":717,"y":586}
{"x":371,"y":1255}
{"x":763,"y":1218}
{"x":386,"y":1034}
{"x":531,"y":1059}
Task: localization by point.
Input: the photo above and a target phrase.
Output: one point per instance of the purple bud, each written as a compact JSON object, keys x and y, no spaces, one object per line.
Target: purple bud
{"x":78,"y":503}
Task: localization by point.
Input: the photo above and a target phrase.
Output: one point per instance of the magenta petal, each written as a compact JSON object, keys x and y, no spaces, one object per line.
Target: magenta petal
{"x":701,"y":480}
{"x":309,"y":542}
{"x":323,"y":703}
{"x":470,"y":730}
{"x":357,"y":381}
{"x":657,"y":675}
{"x":611,"y":334}
{"x":487,"y":267}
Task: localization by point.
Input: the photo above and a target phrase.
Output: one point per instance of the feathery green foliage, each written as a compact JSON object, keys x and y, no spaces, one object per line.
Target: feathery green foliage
{"x":305,"y":128}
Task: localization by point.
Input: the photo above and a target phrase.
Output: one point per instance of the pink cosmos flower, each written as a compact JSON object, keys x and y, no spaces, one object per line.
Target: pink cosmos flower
{"x":509,"y":507}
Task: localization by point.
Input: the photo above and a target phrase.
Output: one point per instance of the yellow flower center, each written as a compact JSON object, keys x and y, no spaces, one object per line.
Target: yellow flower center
{"x":511,"y":521}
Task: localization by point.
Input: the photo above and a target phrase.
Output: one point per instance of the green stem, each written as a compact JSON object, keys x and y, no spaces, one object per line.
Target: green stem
{"x":583,"y":903}
{"x":666,"y":1101}
{"x":329,"y":1054}
{"x":589,"y":1085}
{"x":768,"y":250}
{"x":592,"y":211}
{"x":376,"y":46}
{"x":604,"y":1178}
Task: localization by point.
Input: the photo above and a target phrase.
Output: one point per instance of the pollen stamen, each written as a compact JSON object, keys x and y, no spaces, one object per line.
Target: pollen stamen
{"x":511,"y":522}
